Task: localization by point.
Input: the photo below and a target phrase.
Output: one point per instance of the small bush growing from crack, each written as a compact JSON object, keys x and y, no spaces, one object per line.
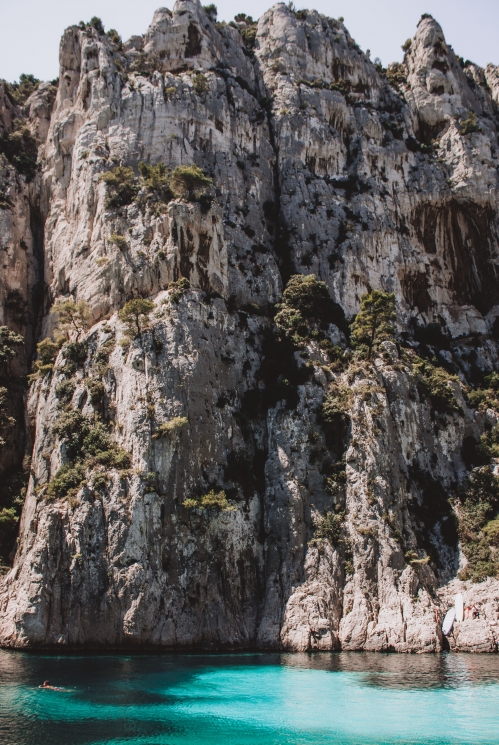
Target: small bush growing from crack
{"x":200,"y":83}
{"x":170,"y":427}
{"x":329,"y":527}
{"x":469,"y":124}
{"x":177,"y":289}
{"x":211,"y":501}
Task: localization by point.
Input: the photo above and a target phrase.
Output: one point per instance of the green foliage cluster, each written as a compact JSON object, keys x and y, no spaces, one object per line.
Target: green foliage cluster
{"x":396,"y":73}
{"x":248,"y":32}
{"x":118,"y":240}
{"x":329,"y":527}
{"x":73,"y":319}
{"x":216,"y":501}
{"x":211,"y":11}
{"x":170,"y":427}
{"x":95,"y":23}
{"x":306,"y":307}
{"x":135,"y":316}
{"x":21,"y":149}
{"x":22,"y":90}
{"x":187,"y":182}
{"x":87,"y":444}
{"x":13,"y":486}
{"x":87,"y":441}
{"x":121,"y":186}
{"x":200,"y":83}
{"x":64,"y":392}
{"x":73,"y":316}
{"x":487,"y":397}
{"x":6,"y":421}
{"x":47,"y":349}
{"x":335,"y":354}
{"x":336,"y":406}
{"x":469,"y":124}
{"x":374,"y":323}
{"x":114,"y":37}
{"x":480,"y":453}
{"x":414,"y":559}
{"x":337,"y":477}
{"x":156,"y":180}
{"x":66,"y":482}
{"x":14,"y":480}
{"x":9,"y":347}
{"x":406,"y":45}
{"x":479,"y":524}
{"x":434,"y":382}
{"x":176,"y":289}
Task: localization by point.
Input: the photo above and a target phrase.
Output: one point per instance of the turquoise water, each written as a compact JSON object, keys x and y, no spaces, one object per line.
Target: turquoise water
{"x":249,"y":699}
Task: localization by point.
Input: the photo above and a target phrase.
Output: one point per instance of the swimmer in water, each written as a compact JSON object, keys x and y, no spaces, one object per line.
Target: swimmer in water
{"x":46,"y":684}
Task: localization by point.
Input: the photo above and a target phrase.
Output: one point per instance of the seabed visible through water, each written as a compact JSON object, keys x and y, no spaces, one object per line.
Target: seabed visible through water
{"x":249,"y":699}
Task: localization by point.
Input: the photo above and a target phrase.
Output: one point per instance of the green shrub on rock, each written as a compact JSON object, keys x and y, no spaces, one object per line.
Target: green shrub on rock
{"x":469,"y":124}
{"x":156,"y":179}
{"x":9,"y":341}
{"x":177,"y":289}
{"x":66,"y":482}
{"x":189,"y":181}
{"x":211,"y":11}
{"x":329,"y":527}
{"x":121,"y":186}
{"x":64,"y":391}
{"x":200,"y":83}
{"x":22,"y":90}
{"x":21,"y":149}
{"x":479,"y":524}
{"x":169,"y":427}
{"x":305,"y":308}
{"x":47,"y":352}
{"x":212,"y":501}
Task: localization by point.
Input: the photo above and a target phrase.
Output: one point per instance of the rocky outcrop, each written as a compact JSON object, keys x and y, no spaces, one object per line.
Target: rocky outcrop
{"x":321,"y":163}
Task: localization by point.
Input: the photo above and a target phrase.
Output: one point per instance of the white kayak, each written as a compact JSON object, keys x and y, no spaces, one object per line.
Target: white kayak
{"x":459,"y":606}
{"x":448,"y":623}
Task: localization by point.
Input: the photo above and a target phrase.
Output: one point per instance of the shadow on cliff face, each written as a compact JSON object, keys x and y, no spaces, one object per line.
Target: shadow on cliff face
{"x":436,"y":520}
{"x":463,"y":235}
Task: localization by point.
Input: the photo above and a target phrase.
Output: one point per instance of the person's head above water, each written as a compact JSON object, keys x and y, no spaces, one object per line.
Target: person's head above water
{"x":46,"y":682}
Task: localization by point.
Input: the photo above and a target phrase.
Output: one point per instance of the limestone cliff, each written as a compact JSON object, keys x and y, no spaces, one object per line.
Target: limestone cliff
{"x":339,"y":533}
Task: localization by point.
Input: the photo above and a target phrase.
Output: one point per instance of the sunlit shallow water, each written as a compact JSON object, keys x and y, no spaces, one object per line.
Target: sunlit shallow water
{"x":249,"y":699}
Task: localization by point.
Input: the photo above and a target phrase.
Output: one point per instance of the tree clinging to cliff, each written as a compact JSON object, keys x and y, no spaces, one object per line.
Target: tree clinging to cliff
{"x":374,"y":322}
{"x":135,"y":315}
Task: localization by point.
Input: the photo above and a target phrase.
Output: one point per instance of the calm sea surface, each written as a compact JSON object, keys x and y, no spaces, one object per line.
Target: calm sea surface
{"x":249,"y":699}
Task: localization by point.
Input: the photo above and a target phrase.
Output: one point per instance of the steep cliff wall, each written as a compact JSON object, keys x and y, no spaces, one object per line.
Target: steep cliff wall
{"x":339,"y":532}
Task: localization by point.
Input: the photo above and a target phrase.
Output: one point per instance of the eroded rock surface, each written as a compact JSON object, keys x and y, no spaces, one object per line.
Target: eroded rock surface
{"x":321,"y":164}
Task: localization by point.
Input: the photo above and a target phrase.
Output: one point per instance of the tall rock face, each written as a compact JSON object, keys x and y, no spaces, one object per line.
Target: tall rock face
{"x":323,"y":533}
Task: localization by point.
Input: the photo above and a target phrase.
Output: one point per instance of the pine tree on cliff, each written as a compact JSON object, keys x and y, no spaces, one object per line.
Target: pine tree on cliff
{"x":135,"y":316}
{"x":374,"y":322}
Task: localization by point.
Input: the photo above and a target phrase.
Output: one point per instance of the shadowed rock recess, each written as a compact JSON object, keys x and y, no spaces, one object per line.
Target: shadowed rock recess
{"x":219,"y":476}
